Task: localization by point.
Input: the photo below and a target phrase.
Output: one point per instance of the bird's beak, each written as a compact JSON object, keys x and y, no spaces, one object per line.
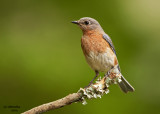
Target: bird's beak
{"x":75,"y":22}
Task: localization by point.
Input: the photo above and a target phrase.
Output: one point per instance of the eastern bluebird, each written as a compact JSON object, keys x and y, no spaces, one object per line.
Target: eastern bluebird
{"x":99,"y":51}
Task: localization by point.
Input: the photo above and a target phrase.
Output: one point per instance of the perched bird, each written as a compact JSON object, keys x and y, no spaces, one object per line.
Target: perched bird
{"x":99,"y":51}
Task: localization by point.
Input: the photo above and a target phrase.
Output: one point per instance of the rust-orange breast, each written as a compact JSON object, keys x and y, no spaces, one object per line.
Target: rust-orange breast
{"x":93,"y":42}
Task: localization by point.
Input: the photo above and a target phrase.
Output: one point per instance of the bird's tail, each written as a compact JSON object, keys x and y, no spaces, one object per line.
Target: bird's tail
{"x":125,"y":86}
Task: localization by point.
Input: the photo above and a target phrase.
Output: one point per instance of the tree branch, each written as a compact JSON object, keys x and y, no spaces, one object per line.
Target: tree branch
{"x":93,"y":91}
{"x":74,"y":97}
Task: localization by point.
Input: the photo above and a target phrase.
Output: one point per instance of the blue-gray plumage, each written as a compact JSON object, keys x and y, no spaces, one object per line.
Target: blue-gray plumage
{"x":108,"y":39}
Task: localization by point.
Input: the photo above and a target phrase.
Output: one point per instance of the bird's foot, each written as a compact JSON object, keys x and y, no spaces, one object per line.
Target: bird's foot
{"x":88,"y":85}
{"x":91,"y":82}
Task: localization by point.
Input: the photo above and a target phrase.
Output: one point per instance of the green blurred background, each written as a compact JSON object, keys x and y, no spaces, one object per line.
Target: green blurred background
{"x":41,"y":58}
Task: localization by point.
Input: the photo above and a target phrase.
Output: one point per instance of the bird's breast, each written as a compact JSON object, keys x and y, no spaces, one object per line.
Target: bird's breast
{"x":94,"y":43}
{"x":98,"y":53}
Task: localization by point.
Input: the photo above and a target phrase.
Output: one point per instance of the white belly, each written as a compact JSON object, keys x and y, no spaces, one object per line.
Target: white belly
{"x":101,"y":62}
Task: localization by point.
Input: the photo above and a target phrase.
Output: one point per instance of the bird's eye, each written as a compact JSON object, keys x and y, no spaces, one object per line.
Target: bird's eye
{"x":86,"y":22}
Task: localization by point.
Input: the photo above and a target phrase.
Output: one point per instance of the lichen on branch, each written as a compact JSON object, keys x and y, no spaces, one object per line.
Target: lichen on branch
{"x":98,"y":89}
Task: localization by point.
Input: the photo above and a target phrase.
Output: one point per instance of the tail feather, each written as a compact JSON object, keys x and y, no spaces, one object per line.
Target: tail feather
{"x":125,"y":86}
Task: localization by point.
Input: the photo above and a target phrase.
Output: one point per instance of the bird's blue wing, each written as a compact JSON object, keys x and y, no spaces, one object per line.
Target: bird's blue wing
{"x":108,"y":39}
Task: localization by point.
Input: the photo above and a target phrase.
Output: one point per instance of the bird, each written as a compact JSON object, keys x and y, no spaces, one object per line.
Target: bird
{"x":99,"y":51}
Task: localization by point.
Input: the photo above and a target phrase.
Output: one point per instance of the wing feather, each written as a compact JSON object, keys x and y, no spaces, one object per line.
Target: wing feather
{"x":108,"y":39}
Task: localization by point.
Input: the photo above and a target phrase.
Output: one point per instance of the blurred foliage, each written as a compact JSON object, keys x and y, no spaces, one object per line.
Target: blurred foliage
{"x":41,"y":58}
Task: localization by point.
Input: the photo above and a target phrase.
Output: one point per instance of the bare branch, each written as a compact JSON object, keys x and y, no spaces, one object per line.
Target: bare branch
{"x":74,"y":97}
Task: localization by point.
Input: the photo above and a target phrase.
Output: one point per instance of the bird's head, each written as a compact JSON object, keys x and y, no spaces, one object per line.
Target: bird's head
{"x":87,"y":24}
